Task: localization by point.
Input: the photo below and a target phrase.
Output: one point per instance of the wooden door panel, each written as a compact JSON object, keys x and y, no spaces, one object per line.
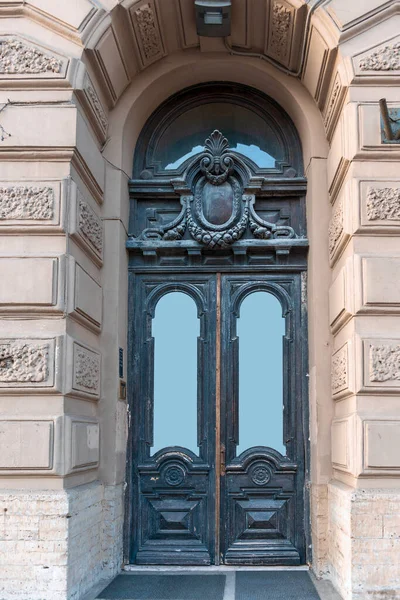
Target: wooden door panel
{"x":262,"y":490}
{"x":174,"y":511}
{"x":260,"y":511}
{"x":171,"y":525}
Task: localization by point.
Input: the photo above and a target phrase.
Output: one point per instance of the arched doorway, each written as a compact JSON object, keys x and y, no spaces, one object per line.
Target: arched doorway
{"x":218,"y":249}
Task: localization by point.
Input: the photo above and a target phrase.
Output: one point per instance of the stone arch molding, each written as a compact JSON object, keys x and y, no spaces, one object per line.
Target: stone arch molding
{"x":100,"y":47}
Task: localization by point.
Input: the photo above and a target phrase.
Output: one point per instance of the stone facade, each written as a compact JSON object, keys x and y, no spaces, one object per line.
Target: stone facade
{"x":76,"y":89}
{"x":365,"y":541}
{"x":69,"y":536}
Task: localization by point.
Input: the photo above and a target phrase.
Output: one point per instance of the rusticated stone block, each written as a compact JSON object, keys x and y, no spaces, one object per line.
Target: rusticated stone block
{"x":90,"y":226}
{"x":85,"y":444}
{"x":27,"y":363}
{"x":86,"y":369}
{"x":386,"y":58}
{"x":23,"y":362}
{"x":385,"y":363}
{"x":381,"y":369}
{"x":26,"y":202}
{"x":340,"y":371}
{"x":381,"y":447}
{"x":85,"y":298}
{"x":83,"y":372}
{"x":86,"y":227}
{"x":336,"y":226}
{"x":35,"y":284}
{"x":383,"y":203}
{"x":26,"y":444}
{"x":17,"y":57}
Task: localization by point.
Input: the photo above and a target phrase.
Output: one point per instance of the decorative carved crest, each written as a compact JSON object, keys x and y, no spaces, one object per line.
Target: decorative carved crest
{"x":22,"y":361}
{"x":281,"y":22}
{"x":382,"y":203}
{"x":18,"y":58}
{"x":386,"y":58}
{"x":218,"y":213}
{"x":26,"y":202}
{"x":148,"y":32}
{"x":336,"y":226}
{"x":216,"y":164}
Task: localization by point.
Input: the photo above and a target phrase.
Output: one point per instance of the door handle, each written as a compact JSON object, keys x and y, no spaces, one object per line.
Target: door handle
{"x":223,"y":460}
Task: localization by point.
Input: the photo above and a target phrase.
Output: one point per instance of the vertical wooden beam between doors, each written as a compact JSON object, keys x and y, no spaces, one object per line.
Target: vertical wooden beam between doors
{"x":218,"y":424}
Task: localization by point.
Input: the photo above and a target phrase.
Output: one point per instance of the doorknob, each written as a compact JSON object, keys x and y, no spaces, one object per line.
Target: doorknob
{"x":223,"y":459}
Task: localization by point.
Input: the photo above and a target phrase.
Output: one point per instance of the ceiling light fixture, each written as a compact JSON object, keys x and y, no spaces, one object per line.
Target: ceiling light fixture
{"x":213,"y":18}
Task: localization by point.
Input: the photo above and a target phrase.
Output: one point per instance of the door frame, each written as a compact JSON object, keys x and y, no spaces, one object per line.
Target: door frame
{"x":165,"y":222}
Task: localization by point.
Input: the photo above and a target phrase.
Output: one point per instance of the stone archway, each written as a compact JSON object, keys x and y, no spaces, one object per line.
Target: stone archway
{"x":77,"y":87}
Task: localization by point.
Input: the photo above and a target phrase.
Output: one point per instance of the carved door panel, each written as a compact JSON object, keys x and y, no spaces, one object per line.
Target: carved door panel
{"x":174,"y":506}
{"x":220,"y":502}
{"x":262,"y":486}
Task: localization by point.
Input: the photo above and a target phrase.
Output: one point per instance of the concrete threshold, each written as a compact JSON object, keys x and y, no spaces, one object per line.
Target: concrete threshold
{"x":207,"y":569}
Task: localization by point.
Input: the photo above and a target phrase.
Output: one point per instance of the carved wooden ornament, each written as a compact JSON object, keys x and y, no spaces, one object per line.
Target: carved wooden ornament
{"x":218,"y":213}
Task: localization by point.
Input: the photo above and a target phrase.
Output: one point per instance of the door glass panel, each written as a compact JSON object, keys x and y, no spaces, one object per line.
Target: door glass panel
{"x":175,"y":332}
{"x":260,"y":330}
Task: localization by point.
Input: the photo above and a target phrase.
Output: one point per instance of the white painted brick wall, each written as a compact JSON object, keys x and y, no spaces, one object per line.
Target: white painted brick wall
{"x":56,"y":545}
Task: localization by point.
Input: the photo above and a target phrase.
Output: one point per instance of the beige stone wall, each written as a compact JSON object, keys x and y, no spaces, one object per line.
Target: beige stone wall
{"x":365,"y":541}
{"x":60,"y":413}
{"x":77,"y":83}
{"x":364,"y":301}
{"x":57,"y":544}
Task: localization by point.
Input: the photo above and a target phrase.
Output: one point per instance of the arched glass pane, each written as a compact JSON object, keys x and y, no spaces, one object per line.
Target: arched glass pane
{"x":260,"y":331}
{"x":247,"y":133}
{"x":175,"y":332}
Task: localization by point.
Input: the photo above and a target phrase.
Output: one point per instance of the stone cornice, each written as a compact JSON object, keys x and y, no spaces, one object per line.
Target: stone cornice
{"x":20,"y":9}
{"x":51,"y":154}
{"x":361,"y":24}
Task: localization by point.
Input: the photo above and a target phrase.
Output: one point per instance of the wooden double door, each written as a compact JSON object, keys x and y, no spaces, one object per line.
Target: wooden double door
{"x":233,"y":491}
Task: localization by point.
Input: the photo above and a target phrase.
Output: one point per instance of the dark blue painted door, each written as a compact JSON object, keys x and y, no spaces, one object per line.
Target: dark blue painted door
{"x":218,"y":228}
{"x":175,"y":486}
{"x":219,"y":502}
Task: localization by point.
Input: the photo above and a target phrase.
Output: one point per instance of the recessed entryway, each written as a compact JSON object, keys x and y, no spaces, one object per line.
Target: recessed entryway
{"x":218,"y":444}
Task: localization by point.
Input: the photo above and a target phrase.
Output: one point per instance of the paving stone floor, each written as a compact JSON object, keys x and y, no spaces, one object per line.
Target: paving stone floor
{"x":230,"y":584}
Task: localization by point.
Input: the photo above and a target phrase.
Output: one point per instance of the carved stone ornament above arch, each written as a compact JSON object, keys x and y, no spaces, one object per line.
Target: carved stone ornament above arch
{"x":22,"y":59}
{"x":380,"y":62}
{"x":119,"y":38}
{"x":113,"y":41}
